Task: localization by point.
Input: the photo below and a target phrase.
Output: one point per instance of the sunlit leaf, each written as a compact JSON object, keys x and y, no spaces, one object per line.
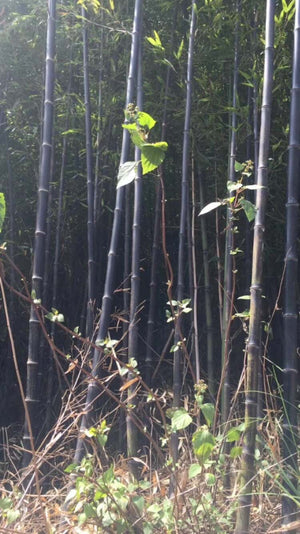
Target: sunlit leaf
{"x":249,"y":209}
{"x":127,"y":173}
{"x":210,"y":207}
{"x":153,"y":154}
{"x":2,"y":210}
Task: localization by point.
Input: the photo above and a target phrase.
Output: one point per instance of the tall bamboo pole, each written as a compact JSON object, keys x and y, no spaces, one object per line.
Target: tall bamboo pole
{"x":228,"y":267}
{"x":90,"y":180}
{"x":178,"y":354}
{"x":254,"y":340}
{"x":112,"y":255}
{"x":132,"y":434}
{"x":40,"y":232}
{"x":290,"y":437}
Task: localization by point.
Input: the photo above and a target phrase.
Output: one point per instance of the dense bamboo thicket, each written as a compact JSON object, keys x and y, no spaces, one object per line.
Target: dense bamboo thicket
{"x":144,"y":147}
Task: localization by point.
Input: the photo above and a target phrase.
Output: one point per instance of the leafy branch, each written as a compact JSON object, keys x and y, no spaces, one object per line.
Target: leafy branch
{"x":139,"y":124}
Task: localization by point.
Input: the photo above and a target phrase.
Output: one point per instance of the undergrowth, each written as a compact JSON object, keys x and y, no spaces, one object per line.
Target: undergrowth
{"x":101,"y":496}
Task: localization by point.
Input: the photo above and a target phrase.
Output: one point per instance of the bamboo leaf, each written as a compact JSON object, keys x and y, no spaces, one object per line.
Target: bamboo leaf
{"x":127,"y":173}
{"x":210,"y":207}
{"x":2,"y":210}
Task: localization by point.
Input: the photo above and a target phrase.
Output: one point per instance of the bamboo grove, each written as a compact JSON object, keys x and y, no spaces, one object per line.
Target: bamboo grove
{"x":149,"y":202}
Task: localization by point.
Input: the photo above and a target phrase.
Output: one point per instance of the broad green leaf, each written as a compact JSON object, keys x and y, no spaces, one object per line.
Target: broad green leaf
{"x":203,"y":444}
{"x":208,"y":411}
{"x":233,"y":186}
{"x":180,"y":419}
{"x":249,"y":209}
{"x":2,"y":210}
{"x":127,"y":173}
{"x":12,"y":516}
{"x":238,"y":167}
{"x":145,"y":120}
{"x":131,"y":127}
{"x":137,"y":140}
{"x":153,"y":155}
{"x":5,"y":503}
{"x":210,"y":207}
{"x":194,"y":470}
{"x":233,"y":434}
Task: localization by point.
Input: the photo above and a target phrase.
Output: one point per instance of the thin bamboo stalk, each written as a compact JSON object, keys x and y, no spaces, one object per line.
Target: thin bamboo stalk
{"x":290,"y":436}
{"x":228,"y":266}
{"x":178,"y":354}
{"x":132,"y":433}
{"x":254,"y":340}
{"x":40,"y":234}
{"x":90,"y":181}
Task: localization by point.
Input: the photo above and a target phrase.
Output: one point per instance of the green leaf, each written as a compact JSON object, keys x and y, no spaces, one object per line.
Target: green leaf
{"x":180,"y":419}
{"x":127,"y":173}
{"x":145,"y":120}
{"x":208,"y":411}
{"x":2,"y":210}
{"x":238,"y":167}
{"x":153,"y":154}
{"x":180,"y":50}
{"x":5,"y":503}
{"x":233,"y":434}
{"x":203,"y":444}
{"x":209,"y":207}
{"x":249,"y":209}
{"x":12,"y":516}
{"x":244,"y":297}
{"x":70,"y":468}
{"x":210,"y":479}
{"x":233,"y":186}
{"x":236,"y":452}
{"x":194,"y":470}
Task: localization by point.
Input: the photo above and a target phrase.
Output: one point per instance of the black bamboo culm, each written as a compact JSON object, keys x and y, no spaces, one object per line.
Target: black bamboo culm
{"x":254,"y":340}
{"x":90,"y":180}
{"x":132,"y":431}
{"x":58,"y":229}
{"x":40,"y":233}
{"x":156,"y":232}
{"x":178,"y":354}
{"x":290,"y":315}
{"x":228,"y":266}
{"x":112,"y":255}
{"x":207,"y":296}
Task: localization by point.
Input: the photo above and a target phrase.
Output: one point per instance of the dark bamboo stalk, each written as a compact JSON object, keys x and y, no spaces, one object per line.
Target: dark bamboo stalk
{"x":40,"y":232}
{"x":207,"y":297}
{"x":112,"y":255}
{"x":228,"y":267}
{"x":254,"y":340}
{"x":156,"y":232}
{"x":132,"y":433}
{"x":290,"y":437}
{"x":90,"y":181}
{"x":195,"y":281}
{"x":178,"y":354}
{"x":58,"y":231}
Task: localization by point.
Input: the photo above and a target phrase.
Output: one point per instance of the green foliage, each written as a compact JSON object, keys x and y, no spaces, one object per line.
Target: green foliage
{"x":2,"y":210}
{"x":139,"y":125}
